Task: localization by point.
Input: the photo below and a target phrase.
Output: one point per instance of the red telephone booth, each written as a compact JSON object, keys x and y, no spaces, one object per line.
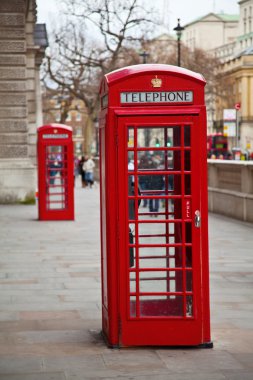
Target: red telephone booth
{"x":55,"y":172}
{"x":154,"y":238}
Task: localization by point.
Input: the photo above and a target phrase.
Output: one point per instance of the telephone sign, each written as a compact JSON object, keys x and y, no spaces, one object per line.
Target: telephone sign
{"x":154,"y":241}
{"x":157,"y":97}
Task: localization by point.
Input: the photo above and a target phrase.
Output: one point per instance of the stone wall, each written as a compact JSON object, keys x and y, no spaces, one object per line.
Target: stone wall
{"x":230,"y":188}
{"x":20,"y":59}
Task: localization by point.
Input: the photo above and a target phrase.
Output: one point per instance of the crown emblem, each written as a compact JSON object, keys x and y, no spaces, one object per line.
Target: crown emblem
{"x":156,"y":82}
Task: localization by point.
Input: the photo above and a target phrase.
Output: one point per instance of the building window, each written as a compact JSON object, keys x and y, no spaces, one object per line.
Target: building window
{"x":78,"y":116}
{"x":245,"y":20}
{"x":78,"y":148}
{"x":58,"y":117}
{"x":78,"y":131}
{"x":250,"y":19}
{"x":68,"y":118}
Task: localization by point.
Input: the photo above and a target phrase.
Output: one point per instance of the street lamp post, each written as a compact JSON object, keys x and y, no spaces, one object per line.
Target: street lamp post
{"x":179,"y":29}
{"x":144,"y":56}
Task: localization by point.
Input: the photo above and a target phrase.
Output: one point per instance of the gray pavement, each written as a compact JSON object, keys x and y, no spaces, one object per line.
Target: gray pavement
{"x":50,"y":316}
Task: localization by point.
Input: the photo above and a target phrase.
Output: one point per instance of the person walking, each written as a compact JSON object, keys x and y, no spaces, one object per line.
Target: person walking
{"x":143,"y":179}
{"x":88,"y":167}
{"x":81,"y":171}
{"x":156,"y":184}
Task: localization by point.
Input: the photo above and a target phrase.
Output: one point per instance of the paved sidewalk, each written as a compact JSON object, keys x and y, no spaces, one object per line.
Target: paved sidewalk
{"x":50,"y":316}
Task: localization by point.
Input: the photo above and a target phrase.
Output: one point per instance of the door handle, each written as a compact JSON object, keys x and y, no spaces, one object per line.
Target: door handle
{"x":197,"y":219}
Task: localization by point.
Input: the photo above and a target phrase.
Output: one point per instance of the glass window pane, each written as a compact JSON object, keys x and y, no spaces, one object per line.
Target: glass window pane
{"x":155,"y":184}
{"x":161,"y":306}
{"x":161,"y":281}
{"x":188,"y":257}
{"x":153,"y":262}
{"x":156,"y":233}
{"x":168,"y":209}
{"x":169,"y":160}
{"x":160,"y":160}
{"x":189,"y":306}
{"x":188,"y":232}
{"x":187,"y":179}
{"x":133,"y":307}
{"x":187,"y":135}
{"x":130,"y":137}
{"x":131,"y":237}
{"x":177,"y":160}
{"x":150,"y":137}
{"x":132,"y":282}
{"x":149,"y":160}
{"x":156,"y":137}
{"x":132,"y":256}
{"x":189,"y":281}
{"x":154,"y":281}
{"x":160,"y":257}
{"x":131,"y":209}
{"x":187,"y":160}
{"x":144,"y":160}
{"x":130,"y":160}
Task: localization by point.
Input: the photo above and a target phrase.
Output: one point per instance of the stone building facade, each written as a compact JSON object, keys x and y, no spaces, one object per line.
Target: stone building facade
{"x":230,"y":39}
{"x":211,"y":31}
{"x":22,"y":47}
{"x":237,"y":69}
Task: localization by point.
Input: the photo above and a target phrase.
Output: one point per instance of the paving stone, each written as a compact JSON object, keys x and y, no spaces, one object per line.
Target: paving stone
{"x":35,"y":376}
{"x":197,"y":360}
{"x":246,"y":359}
{"x":8,"y":315}
{"x":133,"y":359}
{"x":153,"y":376}
{"x":238,"y":375}
{"x":52,"y":315}
{"x":76,"y":362}
{"x":9,"y":365}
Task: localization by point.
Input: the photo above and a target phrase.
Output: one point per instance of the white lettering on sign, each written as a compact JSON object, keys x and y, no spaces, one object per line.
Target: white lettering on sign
{"x":156,"y":97}
{"x":187,"y":209}
{"x":51,"y":136}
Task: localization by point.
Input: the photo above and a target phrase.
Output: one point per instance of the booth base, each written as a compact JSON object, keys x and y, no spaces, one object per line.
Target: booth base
{"x":183,"y":347}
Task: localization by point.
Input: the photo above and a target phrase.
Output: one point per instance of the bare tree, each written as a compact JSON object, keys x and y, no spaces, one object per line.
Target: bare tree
{"x":96,"y":37}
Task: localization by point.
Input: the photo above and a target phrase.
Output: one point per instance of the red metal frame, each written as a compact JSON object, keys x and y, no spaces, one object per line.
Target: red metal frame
{"x":157,"y":309}
{"x":55,"y":172}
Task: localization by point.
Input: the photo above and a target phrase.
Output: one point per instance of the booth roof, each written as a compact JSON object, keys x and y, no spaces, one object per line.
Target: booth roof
{"x":127,"y":71}
{"x":55,"y":125}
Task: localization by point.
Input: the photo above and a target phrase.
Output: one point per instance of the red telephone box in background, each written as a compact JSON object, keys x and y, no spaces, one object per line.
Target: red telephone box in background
{"x":55,"y":172}
{"x":154,"y":238}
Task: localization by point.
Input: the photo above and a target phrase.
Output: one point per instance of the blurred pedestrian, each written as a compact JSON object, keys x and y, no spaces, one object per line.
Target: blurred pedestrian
{"x":88,"y":167}
{"x":143,"y":179}
{"x":76,"y":169}
{"x":81,"y":171}
{"x":156,"y":184}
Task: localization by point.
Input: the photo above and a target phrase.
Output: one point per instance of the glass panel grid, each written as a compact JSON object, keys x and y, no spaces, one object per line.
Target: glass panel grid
{"x":168,"y":293}
{"x":56,"y":177}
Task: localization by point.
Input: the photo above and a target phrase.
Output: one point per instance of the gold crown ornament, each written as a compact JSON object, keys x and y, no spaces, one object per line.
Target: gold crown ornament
{"x":156,"y":82}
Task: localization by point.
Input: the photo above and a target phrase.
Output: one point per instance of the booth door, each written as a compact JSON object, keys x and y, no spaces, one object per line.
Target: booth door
{"x":56,"y":181}
{"x":159,"y":231}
